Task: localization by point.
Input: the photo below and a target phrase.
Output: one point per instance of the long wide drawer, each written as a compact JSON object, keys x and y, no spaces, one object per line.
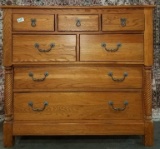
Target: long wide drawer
{"x":111,"y":47}
{"x":77,"y":105}
{"x":35,"y":48}
{"x":77,"y":77}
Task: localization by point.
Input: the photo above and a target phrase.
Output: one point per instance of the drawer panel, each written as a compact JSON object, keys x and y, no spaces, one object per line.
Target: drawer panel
{"x":35,"y":48}
{"x":77,"y":77}
{"x":111,"y":47}
{"x":32,"y":22}
{"x":77,"y":105}
{"x":122,"y":22}
{"x":78,"y":22}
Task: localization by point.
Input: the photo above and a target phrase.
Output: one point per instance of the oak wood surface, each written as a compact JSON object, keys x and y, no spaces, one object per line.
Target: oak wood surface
{"x":78,"y":86}
{"x":43,"y":22}
{"x":24,"y":49}
{"x":51,"y":128}
{"x":112,"y":22}
{"x":77,"y":105}
{"x":85,"y":22}
{"x":77,"y":77}
{"x":131,"y":48}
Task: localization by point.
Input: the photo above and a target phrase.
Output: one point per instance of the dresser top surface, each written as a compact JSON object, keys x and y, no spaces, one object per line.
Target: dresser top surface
{"x":78,"y":7}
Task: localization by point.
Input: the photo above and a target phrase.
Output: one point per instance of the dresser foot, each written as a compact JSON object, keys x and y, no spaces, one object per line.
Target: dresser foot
{"x":8,"y":138}
{"x":148,"y":137}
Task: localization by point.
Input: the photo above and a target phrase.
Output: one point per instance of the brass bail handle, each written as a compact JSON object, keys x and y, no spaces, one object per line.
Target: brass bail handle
{"x":38,"y":109}
{"x":104,"y":45}
{"x":31,"y":74}
{"x":33,"y":22}
{"x":111,"y":103}
{"x":125,"y":74}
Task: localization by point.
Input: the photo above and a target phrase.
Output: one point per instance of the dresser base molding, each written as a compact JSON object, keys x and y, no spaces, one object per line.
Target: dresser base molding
{"x":49,"y":128}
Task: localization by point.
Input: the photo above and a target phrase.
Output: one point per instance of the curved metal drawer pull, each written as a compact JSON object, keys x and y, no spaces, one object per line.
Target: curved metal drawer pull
{"x":38,"y":109}
{"x":111,"y":103}
{"x":123,"y":22}
{"x":118,"y":80}
{"x":41,"y":79}
{"x":33,"y":22}
{"x":36,"y":45}
{"x":104,"y":45}
{"x":78,"y":23}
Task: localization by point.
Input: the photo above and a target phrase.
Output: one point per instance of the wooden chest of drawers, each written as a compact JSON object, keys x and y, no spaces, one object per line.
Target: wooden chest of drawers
{"x":78,"y":71}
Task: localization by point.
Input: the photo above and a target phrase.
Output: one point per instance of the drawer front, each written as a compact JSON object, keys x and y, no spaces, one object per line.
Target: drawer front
{"x":34,"y":48}
{"x":77,"y":77}
{"x":122,"y":22}
{"x":78,"y":22}
{"x":111,"y":47}
{"x":32,"y":22}
{"x":77,"y":105}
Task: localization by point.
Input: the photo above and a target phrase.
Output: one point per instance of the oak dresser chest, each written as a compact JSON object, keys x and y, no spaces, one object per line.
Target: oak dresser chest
{"x":78,"y":71}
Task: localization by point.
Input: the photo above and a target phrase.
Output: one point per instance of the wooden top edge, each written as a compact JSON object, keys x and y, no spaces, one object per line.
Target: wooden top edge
{"x":69,"y":7}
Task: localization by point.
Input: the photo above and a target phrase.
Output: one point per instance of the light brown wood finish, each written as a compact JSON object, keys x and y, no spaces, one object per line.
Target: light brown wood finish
{"x":42,"y":23}
{"x":7,"y":38}
{"x":86,"y":106}
{"x":148,"y":37}
{"x":24,"y":49}
{"x":78,"y":77}
{"x":108,"y":128}
{"x":78,"y":23}
{"x":112,"y":22}
{"x":131,"y":48}
{"x":78,"y":87}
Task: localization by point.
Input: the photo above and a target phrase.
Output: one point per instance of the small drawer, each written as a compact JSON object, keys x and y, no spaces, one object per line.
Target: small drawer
{"x":78,"y":22}
{"x":44,"y":48}
{"x":122,"y":22}
{"x":48,"y":106}
{"x":32,"y":22}
{"x":112,"y":47}
{"x":77,"y":77}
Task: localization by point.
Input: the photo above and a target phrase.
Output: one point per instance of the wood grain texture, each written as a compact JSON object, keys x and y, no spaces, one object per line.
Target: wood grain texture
{"x":112,"y":22}
{"x":148,"y":37}
{"x":43,"y":22}
{"x":131,"y":48}
{"x":77,"y":105}
{"x":8,"y":95}
{"x":78,"y":77}
{"x":33,"y":128}
{"x":24,"y":49}
{"x":148,"y":92}
{"x":149,"y":134}
{"x":7,"y":39}
{"x":8,"y":139}
{"x":86,"y":22}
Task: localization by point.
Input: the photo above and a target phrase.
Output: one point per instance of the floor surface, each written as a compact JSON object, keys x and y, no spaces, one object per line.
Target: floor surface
{"x":83,"y":142}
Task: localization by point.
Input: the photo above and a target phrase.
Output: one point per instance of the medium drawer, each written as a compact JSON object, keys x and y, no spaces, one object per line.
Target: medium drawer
{"x":48,"y":106}
{"x":77,"y":77}
{"x":122,"y":22}
{"x":78,"y":22}
{"x":32,"y":22}
{"x":35,"y":48}
{"x":111,"y":47}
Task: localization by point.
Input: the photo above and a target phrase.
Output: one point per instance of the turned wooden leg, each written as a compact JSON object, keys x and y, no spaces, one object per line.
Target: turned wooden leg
{"x":8,"y":100}
{"x":8,"y":138}
{"x":148,"y":124}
